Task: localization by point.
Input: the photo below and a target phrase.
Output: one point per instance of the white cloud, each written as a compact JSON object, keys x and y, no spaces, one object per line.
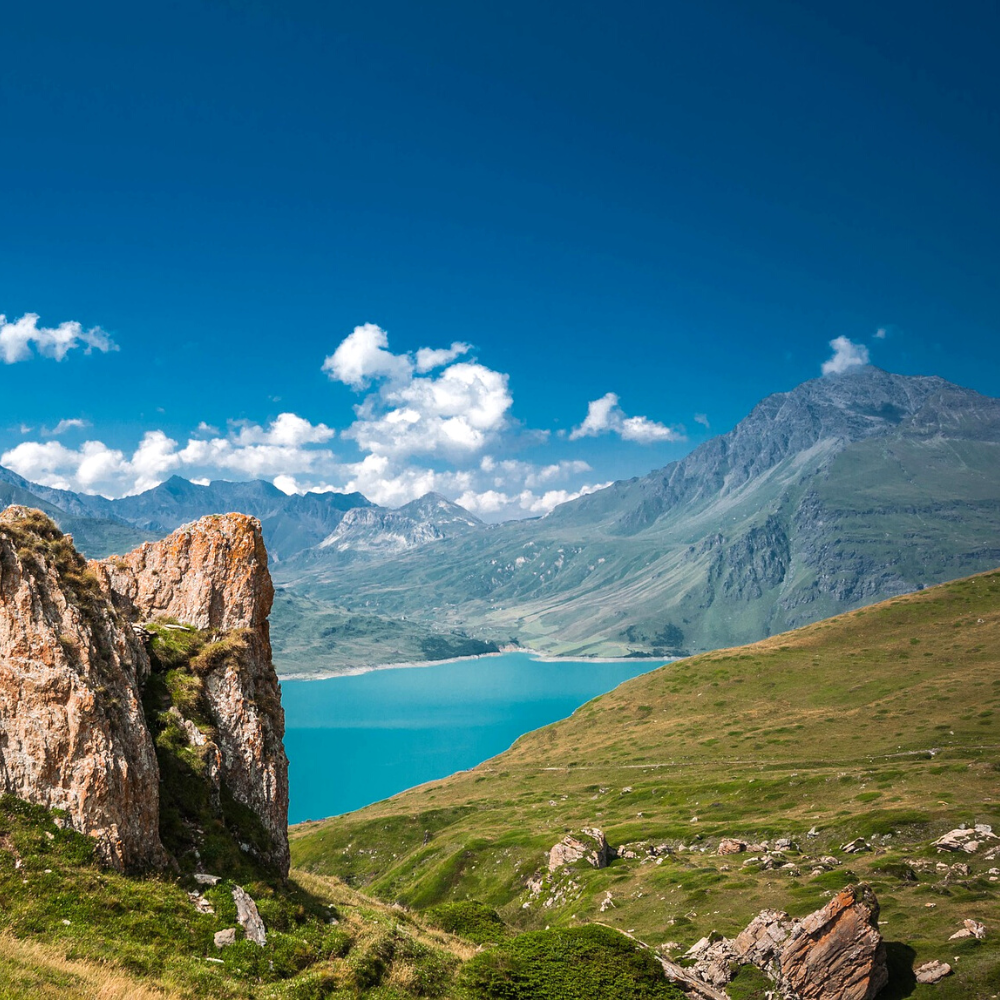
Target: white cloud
{"x":362,"y":357}
{"x":23,"y":338}
{"x":846,"y":354}
{"x":604,"y":416}
{"x":433,"y":421}
{"x":702,"y":418}
{"x":281,"y":448}
{"x":286,"y":429}
{"x":492,"y":505}
{"x":429,"y":358}
{"x":502,"y":473}
{"x":456,"y":413}
{"x":63,"y":426}
{"x":881,"y":333}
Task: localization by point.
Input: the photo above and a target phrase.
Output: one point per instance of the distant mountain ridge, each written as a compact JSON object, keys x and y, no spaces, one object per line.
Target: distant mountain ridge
{"x":845,"y":490}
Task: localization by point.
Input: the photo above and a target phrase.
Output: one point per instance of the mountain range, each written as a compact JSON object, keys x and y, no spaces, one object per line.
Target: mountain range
{"x":846,"y":490}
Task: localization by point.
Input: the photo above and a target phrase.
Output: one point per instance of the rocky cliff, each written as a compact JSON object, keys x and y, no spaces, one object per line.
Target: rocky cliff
{"x":112,"y":671}
{"x":72,"y":732}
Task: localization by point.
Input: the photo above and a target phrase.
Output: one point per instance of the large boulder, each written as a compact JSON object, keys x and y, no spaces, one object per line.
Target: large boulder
{"x":836,"y":951}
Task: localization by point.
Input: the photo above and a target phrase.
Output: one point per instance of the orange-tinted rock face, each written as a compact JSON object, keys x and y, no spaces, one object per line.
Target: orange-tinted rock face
{"x":836,"y":951}
{"x":213,"y":574}
{"x":72,"y":732}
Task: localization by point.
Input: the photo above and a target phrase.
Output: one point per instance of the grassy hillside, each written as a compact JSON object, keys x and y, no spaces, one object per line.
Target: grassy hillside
{"x":73,"y":931}
{"x":883,"y":723}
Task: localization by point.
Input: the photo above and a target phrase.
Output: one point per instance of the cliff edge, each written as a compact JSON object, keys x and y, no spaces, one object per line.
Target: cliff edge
{"x":134,"y":688}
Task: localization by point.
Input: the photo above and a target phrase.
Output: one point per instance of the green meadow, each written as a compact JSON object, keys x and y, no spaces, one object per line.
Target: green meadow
{"x":881,"y":723}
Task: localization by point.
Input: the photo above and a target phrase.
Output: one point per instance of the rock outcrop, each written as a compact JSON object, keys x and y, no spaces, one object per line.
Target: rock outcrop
{"x":591,"y":846}
{"x":73,"y":665}
{"x":72,"y":732}
{"x":213,"y":575}
{"x":836,"y":951}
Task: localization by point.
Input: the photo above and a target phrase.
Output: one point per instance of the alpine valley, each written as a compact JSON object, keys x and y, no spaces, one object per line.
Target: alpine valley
{"x":849,"y":489}
{"x":810,"y":815}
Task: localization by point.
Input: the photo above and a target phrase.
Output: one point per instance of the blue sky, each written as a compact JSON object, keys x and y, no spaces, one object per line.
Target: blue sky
{"x":682,"y":205}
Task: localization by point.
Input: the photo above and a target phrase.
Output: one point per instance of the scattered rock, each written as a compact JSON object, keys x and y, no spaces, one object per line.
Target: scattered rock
{"x":249,"y":918}
{"x":932,"y":972}
{"x":593,"y":849}
{"x":813,"y":832}
{"x":837,"y":951}
{"x":730,"y":846}
{"x":201,"y":904}
{"x":855,"y":846}
{"x":761,"y":941}
{"x":970,"y":929}
{"x":689,"y":982}
{"x":226,"y":937}
{"x":965,"y":839}
{"x":202,"y":879}
{"x":784,"y":844}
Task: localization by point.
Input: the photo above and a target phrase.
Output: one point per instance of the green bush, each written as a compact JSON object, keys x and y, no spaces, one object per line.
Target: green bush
{"x":749,"y":983}
{"x":580,"y":963}
{"x":469,"y":919}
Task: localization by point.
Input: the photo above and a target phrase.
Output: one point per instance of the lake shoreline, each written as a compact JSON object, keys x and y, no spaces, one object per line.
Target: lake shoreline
{"x":533,"y":653}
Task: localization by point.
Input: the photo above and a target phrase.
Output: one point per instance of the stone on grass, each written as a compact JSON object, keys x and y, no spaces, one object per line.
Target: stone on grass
{"x":249,"y":918}
{"x":932,"y":972}
{"x":223,"y":938}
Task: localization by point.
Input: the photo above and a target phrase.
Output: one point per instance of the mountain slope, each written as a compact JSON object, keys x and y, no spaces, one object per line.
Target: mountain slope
{"x":843,"y":491}
{"x":882,"y":723}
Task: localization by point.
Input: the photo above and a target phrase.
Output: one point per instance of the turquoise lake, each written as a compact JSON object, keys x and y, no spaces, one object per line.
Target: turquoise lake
{"x":356,"y":739}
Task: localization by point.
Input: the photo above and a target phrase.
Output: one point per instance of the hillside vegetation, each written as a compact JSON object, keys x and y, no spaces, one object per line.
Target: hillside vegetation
{"x":880,"y":724}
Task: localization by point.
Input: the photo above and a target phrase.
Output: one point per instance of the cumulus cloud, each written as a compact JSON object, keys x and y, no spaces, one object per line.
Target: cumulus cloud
{"x":454,"y":413}
{"x":63,"y":426}
{"x":493,"y":504}
{"x":605,"y":416}
{"x":435,"y":420}
{"x":494,"y":490}
{"x":429,"y":358}
{"x":23,"y":338}
{"x":362,"y":357}
{"x":251,"y":451}
{"x":286,"y":429}
{"x":846,"y":354}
